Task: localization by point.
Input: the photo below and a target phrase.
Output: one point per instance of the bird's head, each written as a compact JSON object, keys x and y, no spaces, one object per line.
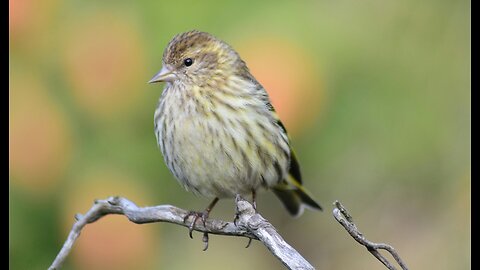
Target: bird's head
{"x":198,"y":58}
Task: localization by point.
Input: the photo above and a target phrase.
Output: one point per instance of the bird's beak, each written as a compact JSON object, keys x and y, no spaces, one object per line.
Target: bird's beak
{"x":164,"y":75}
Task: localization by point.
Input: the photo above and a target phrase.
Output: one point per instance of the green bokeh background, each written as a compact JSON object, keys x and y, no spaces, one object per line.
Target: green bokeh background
{"x":390,"y":135}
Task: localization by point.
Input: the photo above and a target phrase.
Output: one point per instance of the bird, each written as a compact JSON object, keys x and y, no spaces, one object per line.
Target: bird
{"x":218,"y":132}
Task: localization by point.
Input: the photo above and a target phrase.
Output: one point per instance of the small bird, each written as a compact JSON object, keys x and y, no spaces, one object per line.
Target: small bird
{"x":217,"y":130}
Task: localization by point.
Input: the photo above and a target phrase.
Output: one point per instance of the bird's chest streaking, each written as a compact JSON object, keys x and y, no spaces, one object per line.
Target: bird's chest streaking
{"x":221,"y":143}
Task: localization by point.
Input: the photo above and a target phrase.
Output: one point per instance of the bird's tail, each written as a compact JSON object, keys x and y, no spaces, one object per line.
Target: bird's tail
{"x":294,"y":197}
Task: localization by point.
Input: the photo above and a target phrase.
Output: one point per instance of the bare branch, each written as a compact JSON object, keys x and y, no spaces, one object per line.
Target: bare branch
{"x":267,"y":234}
{"x":343,"y":217}
{"x":248,"y":224}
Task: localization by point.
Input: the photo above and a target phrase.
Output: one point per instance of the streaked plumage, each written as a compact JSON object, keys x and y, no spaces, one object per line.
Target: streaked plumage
{"x":216,"y":128}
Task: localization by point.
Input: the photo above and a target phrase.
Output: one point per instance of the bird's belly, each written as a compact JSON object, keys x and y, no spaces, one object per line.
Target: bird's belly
{"x":214,"y":160}
{"x":204,"y":166}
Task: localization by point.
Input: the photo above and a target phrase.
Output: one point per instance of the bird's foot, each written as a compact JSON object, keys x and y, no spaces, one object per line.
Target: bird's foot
{"x":237,"y":213}
{"x":196,"y":215}
{"x":203,"y":215}
{"x":235,"y":219}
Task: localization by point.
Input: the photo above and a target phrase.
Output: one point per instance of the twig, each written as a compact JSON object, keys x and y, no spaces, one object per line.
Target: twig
{"x":249,"y":224}
{"x":343,"y":217}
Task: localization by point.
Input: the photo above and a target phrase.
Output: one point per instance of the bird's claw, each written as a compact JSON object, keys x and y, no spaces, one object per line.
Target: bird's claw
{"x":249,"y":242}
{"x":235,"y":218}
{"x":205,"y":241}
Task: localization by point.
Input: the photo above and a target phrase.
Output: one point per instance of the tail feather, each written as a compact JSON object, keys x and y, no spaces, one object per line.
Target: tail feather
{"x":307,"y":199}
{"x":295,"y":198}
{"x":290,"y":200}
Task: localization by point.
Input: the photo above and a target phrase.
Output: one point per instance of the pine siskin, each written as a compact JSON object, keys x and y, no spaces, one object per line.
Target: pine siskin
{"x":217,"y":130}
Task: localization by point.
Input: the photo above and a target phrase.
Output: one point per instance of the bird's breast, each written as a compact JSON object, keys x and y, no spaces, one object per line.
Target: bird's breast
{"x":220,"y":145}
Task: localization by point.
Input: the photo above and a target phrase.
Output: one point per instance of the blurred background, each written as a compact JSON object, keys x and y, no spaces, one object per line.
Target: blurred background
{"x":375,"y":95}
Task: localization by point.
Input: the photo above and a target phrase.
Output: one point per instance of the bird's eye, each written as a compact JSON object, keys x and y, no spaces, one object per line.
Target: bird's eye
{"x":188,"y":62}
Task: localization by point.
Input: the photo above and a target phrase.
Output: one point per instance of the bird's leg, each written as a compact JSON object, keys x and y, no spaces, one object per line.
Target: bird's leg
{"x":203,"y":215}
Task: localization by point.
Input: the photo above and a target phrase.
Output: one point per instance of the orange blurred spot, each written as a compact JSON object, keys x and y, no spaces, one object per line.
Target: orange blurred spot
{"x":27,"y":17}
{"x":39,"y":136}
{"x":105,"y":63}
{"x":112,"y":242}
{"x":115,"y":243}
{"x":293,"y":83}
{"x":20,"y":11}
